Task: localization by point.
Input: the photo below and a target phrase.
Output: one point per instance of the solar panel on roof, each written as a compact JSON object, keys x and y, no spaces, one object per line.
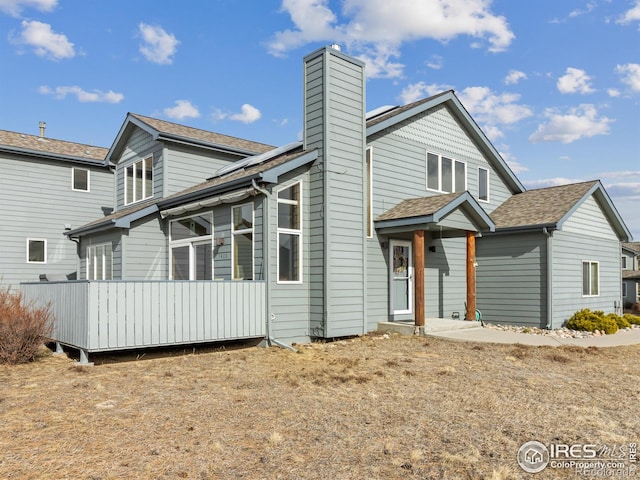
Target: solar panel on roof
{"x":257,"y":159}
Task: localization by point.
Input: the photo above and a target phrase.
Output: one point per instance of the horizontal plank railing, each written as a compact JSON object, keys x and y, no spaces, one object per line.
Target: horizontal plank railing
{"x":115,"y":315}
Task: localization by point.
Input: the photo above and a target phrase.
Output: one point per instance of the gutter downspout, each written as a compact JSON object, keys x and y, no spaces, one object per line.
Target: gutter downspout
{"x":549,"y":235}
{"x":265,"y":269}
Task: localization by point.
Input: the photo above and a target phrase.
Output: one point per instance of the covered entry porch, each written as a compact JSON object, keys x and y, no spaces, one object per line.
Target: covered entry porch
{"x":431,"y":258}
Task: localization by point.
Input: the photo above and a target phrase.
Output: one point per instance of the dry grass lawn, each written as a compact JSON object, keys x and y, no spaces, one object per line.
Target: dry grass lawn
{"x":365,"y":408}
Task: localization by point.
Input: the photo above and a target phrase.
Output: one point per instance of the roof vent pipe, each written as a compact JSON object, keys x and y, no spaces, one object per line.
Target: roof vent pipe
{"x":42,"y":126}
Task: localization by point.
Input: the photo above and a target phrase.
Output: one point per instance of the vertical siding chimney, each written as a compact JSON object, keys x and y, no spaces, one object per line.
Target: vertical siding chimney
{"x":334,"y":124}
{"x":42,"y":126}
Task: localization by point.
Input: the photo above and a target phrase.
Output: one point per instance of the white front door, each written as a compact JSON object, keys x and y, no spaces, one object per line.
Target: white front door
{"x":400,"y":277}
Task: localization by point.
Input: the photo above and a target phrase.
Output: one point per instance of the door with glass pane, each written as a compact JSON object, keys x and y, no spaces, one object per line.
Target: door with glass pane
{"x":401,"y":277}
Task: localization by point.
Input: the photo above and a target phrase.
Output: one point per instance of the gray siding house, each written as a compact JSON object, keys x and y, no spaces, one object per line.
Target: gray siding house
{"x":372,"y":217}
{"x":47,"y":187}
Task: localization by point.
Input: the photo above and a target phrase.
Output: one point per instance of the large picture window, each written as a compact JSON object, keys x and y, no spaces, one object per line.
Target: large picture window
{"x":290,"y":234}
{"x":100,"y":262}
{"x":590,"y":279}
{"x":445,"y":174}
{"x":191,"y":248}
{"x":139,"y":180}
{"x":242,"y":238}
{"x":36,"y":250}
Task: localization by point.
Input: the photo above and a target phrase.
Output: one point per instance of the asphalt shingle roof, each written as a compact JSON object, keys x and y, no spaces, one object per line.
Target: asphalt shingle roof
{"x":635,"y":246}
{"x":203,"y":135}
{"x":418,"y":207}
{"x":544,"y":206}
{"x":46,"y":145}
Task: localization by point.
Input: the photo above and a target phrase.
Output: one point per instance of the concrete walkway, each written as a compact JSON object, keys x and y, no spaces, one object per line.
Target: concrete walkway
{"x":473,"y":332}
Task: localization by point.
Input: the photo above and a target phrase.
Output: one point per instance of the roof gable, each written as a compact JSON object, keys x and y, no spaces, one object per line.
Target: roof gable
{"x":393,"y":117}
{"x":162,"y":130}
{"x":550,"y":207}
{"x":44,"y":147}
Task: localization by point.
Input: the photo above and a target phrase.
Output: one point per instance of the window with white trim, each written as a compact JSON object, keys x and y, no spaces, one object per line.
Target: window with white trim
{"x":242,"y":241}
{"x":590,"y":279}
{"x":369,"y":190}
{"x":190,"y":246}
{"x":80,"y":179}
{"x":445,"y":174}
{"x":483,"y":184}
{"x":36,"y":250}
{"x":290,"y":234}
{"x":624,"y":289}
{"x":624,"y":262}
{"x":100,"y":262}
{"x":139,"y":180}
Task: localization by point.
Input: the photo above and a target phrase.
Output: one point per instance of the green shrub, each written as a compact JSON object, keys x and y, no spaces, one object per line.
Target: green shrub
{"x":632,"y":319}
{"x":23,"y":328}
{"x":620,"y":321}
{"x":589,"y":321}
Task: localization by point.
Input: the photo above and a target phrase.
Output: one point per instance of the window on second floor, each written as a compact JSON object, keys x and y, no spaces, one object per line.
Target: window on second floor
{"x":80,"y":179}
{"x":445,"y":174}
{"x":139,"y":180}
{"x":624,"y":263}
{"x":483,"y":184}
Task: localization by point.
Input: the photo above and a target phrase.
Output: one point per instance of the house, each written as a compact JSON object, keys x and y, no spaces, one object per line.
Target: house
{"x":47,"y":186}
{"x":630,"y":274}
{"x":372,"y":217}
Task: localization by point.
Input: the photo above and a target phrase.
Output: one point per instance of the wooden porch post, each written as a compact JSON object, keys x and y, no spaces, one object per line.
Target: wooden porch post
{"x":471,"y":276}
{"x":418,"y":256}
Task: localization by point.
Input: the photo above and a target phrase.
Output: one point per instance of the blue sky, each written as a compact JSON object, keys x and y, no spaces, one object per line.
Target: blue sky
{"x":554,"y":84}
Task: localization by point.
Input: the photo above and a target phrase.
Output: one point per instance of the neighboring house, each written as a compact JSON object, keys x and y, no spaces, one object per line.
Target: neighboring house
{"x":47,"y":186}
{"x":370,"y":218}
{"x":630,"y":273}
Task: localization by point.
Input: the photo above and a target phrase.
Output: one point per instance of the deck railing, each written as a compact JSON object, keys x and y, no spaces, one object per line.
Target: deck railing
{"x":114,"y":315}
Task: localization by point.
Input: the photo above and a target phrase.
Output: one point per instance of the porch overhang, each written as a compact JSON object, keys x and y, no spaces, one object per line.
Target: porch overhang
{"x":454,"y":211}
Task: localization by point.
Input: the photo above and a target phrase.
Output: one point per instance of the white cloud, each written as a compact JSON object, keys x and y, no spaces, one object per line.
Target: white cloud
{"x":577,"y":123}
{"x":435,"y":62}
{"x":248,"y":114}
{"x":631,"y":75}
{"x":613,"y":92}
{"x":551,"y":182}
{"x":514,"y":76}
{"x":575,"y":81}
{"x":577,"y":12}
{"x":15,"y":7}
{"x":417,"y":91}
{"x":492,"y":110}
{"x":159,"y":46}
{"x":632,"y":15}
{"x":183,"y":109}
{"x":516,"y":167}
{"x":45,"y":42}
{"x":83,"y":96}
{"x":378,"y":28}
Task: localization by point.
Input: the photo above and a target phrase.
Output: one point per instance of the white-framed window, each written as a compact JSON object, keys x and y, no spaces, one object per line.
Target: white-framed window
{"x":100,"y":262}
{"x":624,"y":290}
{"x":624,"y":262}
{"x":36,"y":250}
{"x":445,"y":174}
{"x":80,"y":179}
{"x":483,"y":184}
{"x":290,"y":234}
{"x":138,"y":183}
{"x":190,"y":247}
{"x":590,"y":279}
{"x":369,"y":190}
{"x":242,"y":220}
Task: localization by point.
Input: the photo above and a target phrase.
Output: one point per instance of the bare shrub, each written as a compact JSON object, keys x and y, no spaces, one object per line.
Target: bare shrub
{"x":23,"y":327}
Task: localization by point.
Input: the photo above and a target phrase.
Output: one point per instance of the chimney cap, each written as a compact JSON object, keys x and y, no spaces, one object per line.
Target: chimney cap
{"x":42,"y":126}
{"x":336,"y":46}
